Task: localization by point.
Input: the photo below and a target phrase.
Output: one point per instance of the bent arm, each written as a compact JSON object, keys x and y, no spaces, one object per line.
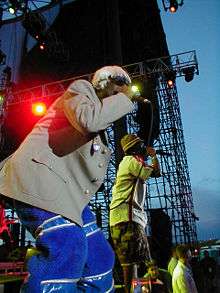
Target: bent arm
{"x":88,"y":115}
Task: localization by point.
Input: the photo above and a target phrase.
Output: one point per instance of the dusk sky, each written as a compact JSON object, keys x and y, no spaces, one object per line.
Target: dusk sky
{"x":196,"y":26}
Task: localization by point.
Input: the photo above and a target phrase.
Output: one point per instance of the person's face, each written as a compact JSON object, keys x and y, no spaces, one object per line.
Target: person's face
{"x":112,"y":89}
{"x":153,"y":272}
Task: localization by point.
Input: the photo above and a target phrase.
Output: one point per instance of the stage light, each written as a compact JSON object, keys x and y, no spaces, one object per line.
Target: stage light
{"x":39,"y":108}
{"x":42,"y":46}
{"x":173,"y":6}
{"x":2,"y":97}
{"x":11,"y":10}
{"x":170,"y":83}
{"x":134,"y":89}
{"x":189,"y":73}
{"x":170,"y":78}
{"x":35,"y":25}
{"x":14,"y":5}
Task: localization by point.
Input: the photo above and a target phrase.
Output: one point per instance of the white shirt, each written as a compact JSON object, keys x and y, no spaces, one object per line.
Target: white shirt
{"x":182,"y":280}
{"x":172,"y":264}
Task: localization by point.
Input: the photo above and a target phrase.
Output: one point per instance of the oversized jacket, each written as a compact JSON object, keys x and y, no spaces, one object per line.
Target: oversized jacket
{"x":62,"y":162}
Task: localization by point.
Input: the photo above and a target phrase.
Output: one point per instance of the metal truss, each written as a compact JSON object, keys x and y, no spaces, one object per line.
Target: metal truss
{"x":172,"y":191}
{"x":23,"y":6}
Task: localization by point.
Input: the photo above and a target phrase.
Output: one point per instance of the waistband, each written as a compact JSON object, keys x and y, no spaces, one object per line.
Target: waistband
{"x":58,"y":222}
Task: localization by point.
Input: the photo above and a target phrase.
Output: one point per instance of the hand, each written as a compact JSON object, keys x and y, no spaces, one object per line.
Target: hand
{"x":150,"y":151}
{"x":125,"y":89}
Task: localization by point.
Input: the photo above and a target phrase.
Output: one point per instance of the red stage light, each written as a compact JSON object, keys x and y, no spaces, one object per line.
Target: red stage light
{"x":39,"y":109}
{"x":170,"y":83}
{"x":42,"y":46}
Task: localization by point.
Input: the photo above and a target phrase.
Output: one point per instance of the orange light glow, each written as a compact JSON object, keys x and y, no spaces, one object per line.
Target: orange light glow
{"x":172,"y":9}
{"x":39,"y":109}
{"x":170,"y":83}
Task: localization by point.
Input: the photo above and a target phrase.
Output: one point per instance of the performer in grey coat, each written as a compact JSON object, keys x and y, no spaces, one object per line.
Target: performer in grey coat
{"x":56,"y":170}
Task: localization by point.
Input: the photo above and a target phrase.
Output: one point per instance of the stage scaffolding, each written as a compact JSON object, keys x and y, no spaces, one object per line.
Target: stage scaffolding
{"x":170,"y":192}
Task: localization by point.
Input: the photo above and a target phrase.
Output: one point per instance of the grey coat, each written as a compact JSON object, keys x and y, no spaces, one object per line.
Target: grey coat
{"x":55,"y":168}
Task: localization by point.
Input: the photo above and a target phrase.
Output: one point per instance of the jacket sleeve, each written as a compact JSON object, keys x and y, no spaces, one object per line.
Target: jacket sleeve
{"x":91,"y":116}
{"x":137,"y":169}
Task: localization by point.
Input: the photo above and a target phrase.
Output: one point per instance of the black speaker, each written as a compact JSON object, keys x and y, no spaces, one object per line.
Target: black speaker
{"x":161,"y":236}
{"x":15,"y":231}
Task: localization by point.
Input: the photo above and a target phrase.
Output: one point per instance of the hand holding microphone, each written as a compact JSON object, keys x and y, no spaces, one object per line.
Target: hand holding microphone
{"x":154,"y":162}
{"x":136,"y":95}
{"x":151,"y":151}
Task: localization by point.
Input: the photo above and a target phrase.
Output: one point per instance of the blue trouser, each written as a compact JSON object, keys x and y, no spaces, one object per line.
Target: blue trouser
{"x":71,"y":259}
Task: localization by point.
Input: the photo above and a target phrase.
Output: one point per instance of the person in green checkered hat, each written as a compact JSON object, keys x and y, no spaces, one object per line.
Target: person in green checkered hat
{"x":127,"y":216}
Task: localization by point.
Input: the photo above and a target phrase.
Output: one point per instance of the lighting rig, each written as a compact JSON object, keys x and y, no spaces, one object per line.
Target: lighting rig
{"x":172,"y":5}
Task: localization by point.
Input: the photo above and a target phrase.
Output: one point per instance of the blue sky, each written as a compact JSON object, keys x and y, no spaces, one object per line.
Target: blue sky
{"x":196,"y":26}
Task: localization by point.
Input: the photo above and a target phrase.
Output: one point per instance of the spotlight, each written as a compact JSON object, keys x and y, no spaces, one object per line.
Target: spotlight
{"x":170,"y":78}
{"x":42,"y":46}
{"x":39,"y":109}
{"x":35,"y":24}
{"x":135,"y":90}
{"x":14,"y":5}
{"x":170,"y":83}
{"x":173,"y":6}
{"x":189,"y":73}
{"x":2,"y":97}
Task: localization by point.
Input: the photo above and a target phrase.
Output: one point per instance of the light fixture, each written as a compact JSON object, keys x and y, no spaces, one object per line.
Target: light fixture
{"x":2,"y":97}
{"x":14,"y":5}
{"x":35,"y":25}
{"x":188,"y":73}
{"x":39,"y":108}
{"x":172,"y":5}
{"x":170,"y":78}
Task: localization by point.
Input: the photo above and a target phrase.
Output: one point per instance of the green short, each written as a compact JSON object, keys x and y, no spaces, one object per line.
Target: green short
{"x":130,"y":243}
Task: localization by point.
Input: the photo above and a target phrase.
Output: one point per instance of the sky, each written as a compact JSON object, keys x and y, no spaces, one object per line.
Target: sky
{"x":196,"y":26}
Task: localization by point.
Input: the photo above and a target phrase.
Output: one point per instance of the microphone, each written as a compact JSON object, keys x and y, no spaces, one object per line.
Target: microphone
{"x":136,"y":96}
{"x":140,"y":99}
{"x":163,"y":153}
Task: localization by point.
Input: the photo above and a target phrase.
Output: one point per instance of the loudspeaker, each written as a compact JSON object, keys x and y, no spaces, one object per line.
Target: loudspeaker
{"x":15,"y":231}
{"x":161,"y":236}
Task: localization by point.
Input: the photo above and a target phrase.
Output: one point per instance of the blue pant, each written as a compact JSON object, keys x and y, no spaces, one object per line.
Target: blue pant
{"x":71,"y":258}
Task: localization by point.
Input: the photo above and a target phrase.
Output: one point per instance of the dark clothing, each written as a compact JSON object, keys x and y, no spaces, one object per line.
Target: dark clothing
{"x":208,"y":266}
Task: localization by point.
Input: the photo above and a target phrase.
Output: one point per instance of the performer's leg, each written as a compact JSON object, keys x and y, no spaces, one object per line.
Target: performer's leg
{"x":62,"y":247}
{"x":97,"y":275}
{"x":60,"y":264}
{"x":130,"y":243}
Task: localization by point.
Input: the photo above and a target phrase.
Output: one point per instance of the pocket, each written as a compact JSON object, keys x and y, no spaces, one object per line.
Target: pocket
{"x":43,"y":179}
{"x":53,"y":163}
